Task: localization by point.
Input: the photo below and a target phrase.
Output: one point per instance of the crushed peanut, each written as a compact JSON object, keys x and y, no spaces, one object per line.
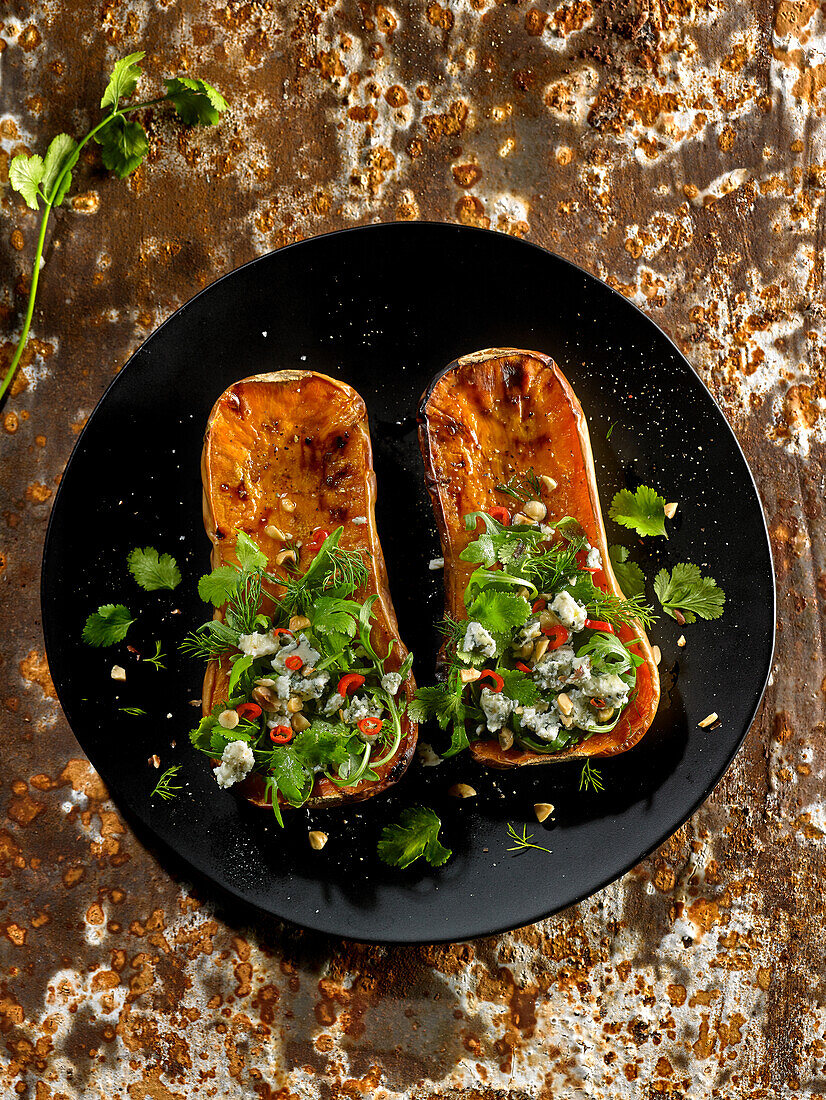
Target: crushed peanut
{"x":295,"y":704}
{"x":298,"y":622}
{"x":657,"y":652}
{"x":299,"y":723}
{"x":543,"y":810}
{"x":284,"y":555}
{"x":317,"y":839}
{"x":709,"y":720}
{"x":469,"y":675}
{"x":118,"y":672}
{"x":671,"y":510}
{"x":154,"y":760}
{"x":564,"y":703}
{"x":505,"y":739}
{"x":541,"y":647}
{"x":681,"y":641}
{"x":288,"y":505}
{"x":462,"y":790}
{"x":273,"y":532}
{"x":548,"y":482}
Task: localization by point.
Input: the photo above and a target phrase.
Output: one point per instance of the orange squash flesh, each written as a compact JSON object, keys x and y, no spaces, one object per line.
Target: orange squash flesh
{"x":292,"y":450}
{"x":487,"y":416}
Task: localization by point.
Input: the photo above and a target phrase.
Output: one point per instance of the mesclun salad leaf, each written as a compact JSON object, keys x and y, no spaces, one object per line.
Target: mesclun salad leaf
{"x":643,"y":511}
{"x":628,"y":573}
{"x":415,"y":836}
{"x":153,"y":570}
{"x":686,"y":590}
{"x":108,"y":625}
{"x":124,"y":145}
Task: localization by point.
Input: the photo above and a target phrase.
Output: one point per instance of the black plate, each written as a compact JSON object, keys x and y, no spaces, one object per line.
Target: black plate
{"x":385,"y":307}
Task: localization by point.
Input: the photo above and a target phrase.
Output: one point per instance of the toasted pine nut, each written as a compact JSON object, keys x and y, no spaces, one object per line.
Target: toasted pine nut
{"x":155,"y":761}
{"x":605,"y":714}
{"x":469,"y":675}
{"x":462,"y":790}
{"x":543,"y":810}
{"x":273,"y":532}
{"x":655,"y":649}
{"x":228,"y":719}
{"x":671,"y":510}
{"x":294,"y":704}
{"x":564,"y":703}
{"x":709,"y":720}
{"x":536,"y":510}
{"x":284,"y":555}
{"x":118,"y":672}
{"x":681,"y":641}
{"x":541,"y":648}
{"x":548,"y":482}
{"x":288,"y":505}
{"x":505,"y":739}
{"x":317,"y":839}
{"x":298,"y":622}
{"x":265,"y":682}
{"x":299,"y":723}
{"x":566,"y":720}
{"x":521,"y":520}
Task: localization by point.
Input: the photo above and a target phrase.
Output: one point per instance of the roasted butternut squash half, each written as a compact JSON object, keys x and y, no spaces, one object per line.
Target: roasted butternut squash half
{"x":307,"y":683}
{"x":544,"y":659}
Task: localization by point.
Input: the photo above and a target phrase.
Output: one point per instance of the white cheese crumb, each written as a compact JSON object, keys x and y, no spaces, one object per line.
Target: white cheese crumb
{"x":359,"y":520}
{"x":257,"y":645}
{"x":569,"y":611}
{"x":391,"y":682}
{"x":594,"y":559}
{"x":478,"y":640}
{"x":236,"y":764}
{"x":118,"y":672}
{"x":436,"y":563}
{"x":497,"y":708}
{"x":427,"y":756}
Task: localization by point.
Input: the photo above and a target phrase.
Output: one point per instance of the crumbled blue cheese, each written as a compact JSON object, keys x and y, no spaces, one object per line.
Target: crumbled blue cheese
{"x":391,"y":682}
{"x":545,"y":724}
{"x":311,"y":687}
{"x":236,"y":764}
{"x":607,"y":686}
{"x":594,"y":559}
{"x":436,"y":563}
{"x":334,"y":703}
{"x":569,"y":611}
{"x":497,"y":708}
{"x":361,"y":706}
{"x":478,"y":640}
{"x":298,"y":647}
{"x":427,"y":756}
{"x":558,"y":667}
{"x":258,"y":645}
{"x":359,"y":520}
{"x":283,"y":688}
{"x":531,"y":629}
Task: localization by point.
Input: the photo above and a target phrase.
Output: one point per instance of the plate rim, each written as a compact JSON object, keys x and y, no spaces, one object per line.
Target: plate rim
{"x":320,"y":927}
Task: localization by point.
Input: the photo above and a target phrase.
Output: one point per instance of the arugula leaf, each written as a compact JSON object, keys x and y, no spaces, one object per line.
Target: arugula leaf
{"x":642,"y":510}
{"x":62,"y":151}
{"x":197,"y":103}
{"x":153,"y":570}
{"x":124,"y":79}
{"x":250,"y":558}
{"x":628,"y":573}
{"x":519,"y":686}
{"x":108,"y":625}
{"x":217,"y":587}
{"x":25,"y":175}
{"x":415,"y":835}
{"x":685,"y":589}
{"x":499,"y":611}
{"x":239,"y":667}
{"x":123,"y":145}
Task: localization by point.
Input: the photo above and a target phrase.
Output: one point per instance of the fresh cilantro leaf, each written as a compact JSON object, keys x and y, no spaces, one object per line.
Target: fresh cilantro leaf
{"x":416,"y":835}
{"x":25,"y":175}
{"x":153,"y":570}
{"x":123,"y":145}
{"x":686,"y":590}
{"x":486,"y":550}
{"x":293,"y":779}
{"x":197,"y":103}
{"x":459,"y":740}
{"x":323,"y":745}
{"x":628,"y":573}
{"x":250,"y":558}
{"x":519,"y":686}
{"x":642,"y":510}
{"x":124,"y":79}
{"x":201,"y":736}
{"x":108,"y":625}
{"x":331,"y":615}
{"x":608,"y":654}
{"x":62,"y":152}
{"x":217,"y":587}
{"x":499,"y":611}
{"x":439,"y":701}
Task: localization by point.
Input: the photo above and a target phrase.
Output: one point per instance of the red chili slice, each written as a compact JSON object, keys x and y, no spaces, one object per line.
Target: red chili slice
{"x":598,"y":704}
{"x":559,"y":635}
{"x":582,"y":558}
{"x":540,"y":605}
{"x":495,"y":679}
{"x":319,"y":535}
{"x":349,"y":683}
{"x":370,"y":725}
{"x":281,"y":630}
{"x":248,"y":710}
{"x":599,"y":624}
{"x":293,"y":662}
{"x":523,"y":667}
{"x":500,"y":514}
{"x":281,"y":735}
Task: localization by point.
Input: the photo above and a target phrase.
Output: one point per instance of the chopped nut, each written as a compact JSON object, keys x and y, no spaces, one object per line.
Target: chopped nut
{"x":679,"y":616}
{"x":155,"y":761}
{"x":548,"y":482}
{"x":299,"y":723}
{"x":541,"y":648}
{"x":543,"y":810}
{"x":535,"y":510}
{"x":709,"y":720}
{"x":228,"y":719}
{"x":526,"y":650}
{"x":288,"y":505}
{"x":266,"y":682}
{"x":566,"y":720}
{"x":436,"y":563}
{"x":264,"y":696}
{"x":605,"y":714}
{"x":295,"y":704}
{"x":521,"y":520}
{"x":284,"y":555}
{"x":564,"y":703}
{"x":657,"y":654}
{"x":298,"y":622}
{"x":462,"y":790}
{"x":505,"y":739}
{"x":469,"y":675}
{"x":681,"y":641}
{"x":547,"y":618}
{"x":118,"y":672}
{"x":525,"y":592}
{"x":671,"y":510}
{"x":274,"y":532}
{"x":317,"y":839}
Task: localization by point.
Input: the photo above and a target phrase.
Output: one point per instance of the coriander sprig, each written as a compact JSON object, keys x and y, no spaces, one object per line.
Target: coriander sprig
{"x":124,"y":145}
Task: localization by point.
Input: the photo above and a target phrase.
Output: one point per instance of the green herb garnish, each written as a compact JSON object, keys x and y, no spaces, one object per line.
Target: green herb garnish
{"x":523,"y":840}
{"x":686,"y":590}
{"x":416,"y":835}
{"x":153,"y":570}
{"x":643,"y":511}
{"x":522,"y":487}
{"x":628,"y":573}
{"x":165,"y":788}
{"x":108,"y":625}
{"x":590,"y":778}
{"x":158,"y":658}
{"x":135,"y":712}
{"x":124,"y":144}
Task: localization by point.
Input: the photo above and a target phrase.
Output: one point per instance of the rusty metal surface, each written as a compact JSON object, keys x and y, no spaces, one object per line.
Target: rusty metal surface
{"x":673,"y":147}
